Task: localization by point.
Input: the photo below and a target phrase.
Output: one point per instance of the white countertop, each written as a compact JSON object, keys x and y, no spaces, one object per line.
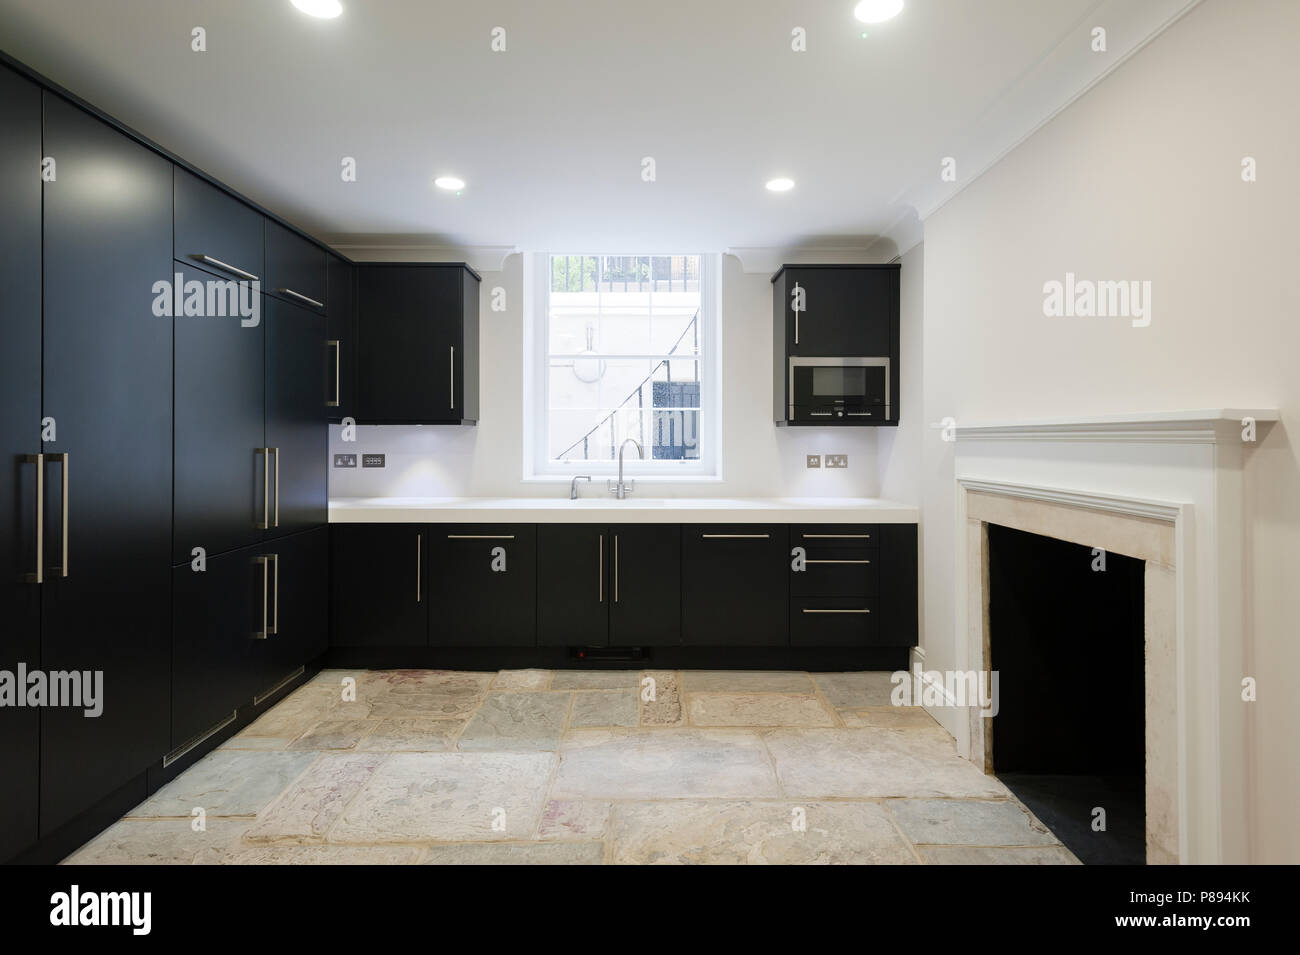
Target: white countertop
{"x":633,"y":510}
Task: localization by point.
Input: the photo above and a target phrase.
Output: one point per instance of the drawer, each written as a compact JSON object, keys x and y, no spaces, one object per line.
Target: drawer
{"x":833,"y":622}
{"x":834,"y":535}
{"x":836,"y":572}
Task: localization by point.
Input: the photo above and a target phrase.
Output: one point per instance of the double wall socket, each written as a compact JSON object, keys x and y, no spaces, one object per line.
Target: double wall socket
{"x":837,"y":460}
{"x":345,"y":460}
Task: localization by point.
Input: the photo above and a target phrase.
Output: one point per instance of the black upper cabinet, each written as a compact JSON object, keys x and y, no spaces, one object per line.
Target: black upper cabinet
{"x":215,"y":231}
{"x":108,"y":385}
{"x":379,"y":585}
{"x":645,"y":607}
{"x":341,"y":329}
{"x":847,"y":311}
{"x":295,"y":268}
{"x":734,"y":588}
{"x":222,"y":477}
{"x":574,"y":589}
{"x":483,"y":585}
{"x":20,"y":437}
{"x":296,"y":435}
{"x":417,"y":329}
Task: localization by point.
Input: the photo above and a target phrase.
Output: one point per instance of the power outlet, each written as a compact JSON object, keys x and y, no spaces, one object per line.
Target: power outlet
{"x":345,"y":460}
{"x":372,"y":460}
{"x":814,"y":460}
{"x":837,"y":460}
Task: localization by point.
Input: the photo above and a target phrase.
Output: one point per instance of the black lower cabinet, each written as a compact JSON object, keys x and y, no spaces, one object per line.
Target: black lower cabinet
{"x":483,"y":585}
{"x":646,"y":609}
{"x":734,"y":588}
{"x":217,"y":632}
{"x":296,"y":417}
{"x":299,"y":604}
{"x":573,"y":585}
{"x":379,"y":585}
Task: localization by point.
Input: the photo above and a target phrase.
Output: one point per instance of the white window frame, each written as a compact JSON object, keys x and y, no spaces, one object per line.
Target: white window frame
{"x":537,"y":467}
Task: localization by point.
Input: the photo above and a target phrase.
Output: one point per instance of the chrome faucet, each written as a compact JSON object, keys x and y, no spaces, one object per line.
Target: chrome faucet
{"x":620,"y":489}
{"x":573,"y":485}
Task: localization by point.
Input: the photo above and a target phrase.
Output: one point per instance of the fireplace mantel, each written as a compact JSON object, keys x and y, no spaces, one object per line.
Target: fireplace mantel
{"x":1188,"y":427}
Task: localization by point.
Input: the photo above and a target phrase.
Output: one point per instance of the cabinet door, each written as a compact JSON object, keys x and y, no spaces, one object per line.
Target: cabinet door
{"x":574,"y":591}
{"x":216,"y":625}
{"x":295,"y":268}
{"x":379,"y":576}
{"x":341,"y":330}
{"x":20,"y":436}
{"x":646,"y":580}
{"x":296,"y":429}
{"x":108,"y":385}
{"x":220,"y":394}
{"x":215,"y":231}
{"x":408,"y":328}
{"x":299,"y":602}
{"x":734,"y":590}
{"x":846,"y":311}
{"x":483,"y":585}
{"x":899,"y":586}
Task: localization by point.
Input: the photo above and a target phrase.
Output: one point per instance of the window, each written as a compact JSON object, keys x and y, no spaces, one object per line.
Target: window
{"x":625,"y":348}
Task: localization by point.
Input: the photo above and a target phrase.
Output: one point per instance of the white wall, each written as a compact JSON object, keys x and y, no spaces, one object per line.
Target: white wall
{"x":1140,"y":179}
{"x":487,"y":460}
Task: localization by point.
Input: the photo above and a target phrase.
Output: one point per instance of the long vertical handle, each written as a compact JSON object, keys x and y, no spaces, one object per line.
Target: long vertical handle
{"x":338,"y":363}
{"x":266,"y":487}
{"x":615,"y":568}
{"x":275,"y":520}
{"x":452,"y":403}
{"x":796,"y":316}
{"x":62,"y":569}
{"x":419,"y":546}
{"x":39,"y":461}
{"x":600,"y":569}
{"x":265,"y":562}
{"x":275,"y":612}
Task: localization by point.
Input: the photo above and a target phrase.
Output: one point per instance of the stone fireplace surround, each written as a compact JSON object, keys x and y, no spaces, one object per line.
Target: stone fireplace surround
{"x":1165,"y":488}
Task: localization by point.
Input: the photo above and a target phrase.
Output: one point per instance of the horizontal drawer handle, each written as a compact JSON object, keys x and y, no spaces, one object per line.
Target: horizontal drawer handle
{"x":837,"y":561}
{"x":730,"y":537}
{"x":851,"y":537}
{"x":300,"y":297}
{"x":863,"y":610}
{"x":480,"y":537}
{"x":224,"y":266}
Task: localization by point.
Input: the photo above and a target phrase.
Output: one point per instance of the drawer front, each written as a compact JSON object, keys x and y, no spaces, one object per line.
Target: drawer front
{"x":834,"y":535}
{"x":733,"y":585}
{"x":833,"y":622}
{"x":836,"y":572}
{"x":483,"y":585}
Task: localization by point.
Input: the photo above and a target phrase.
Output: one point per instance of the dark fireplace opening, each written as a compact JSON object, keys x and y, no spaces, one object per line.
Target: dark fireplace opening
{"x":1067,"y":641}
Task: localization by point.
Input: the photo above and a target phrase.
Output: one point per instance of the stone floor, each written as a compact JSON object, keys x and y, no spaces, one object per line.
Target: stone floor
{"x":576,"y":767}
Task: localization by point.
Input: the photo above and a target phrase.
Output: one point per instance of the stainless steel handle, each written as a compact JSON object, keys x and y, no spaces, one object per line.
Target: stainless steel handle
{"x":852,"y":537}
{"x":419,"y":546}
{"x":338,"y":362}
{"x":62,"y":569}
{"x":600,"y":569}
{"x":300,"y":297}
{"x":452,"y":397}
{"x":39,"y":461}
{"x":275,"y":612}
{"x":615,"y":568}
{"x":266,"y":569}
{"x":275,"y":515}
{"x":735,"y":536}
{"x":480,"y":537}
{"x":819,"y":414}
{"x":837,"y":561}
{"x":862,"y":610}
{"x":226,"y":267}
{"x":796,"y":317}
{"x":860,"y":414}
{"x":266,"y":487}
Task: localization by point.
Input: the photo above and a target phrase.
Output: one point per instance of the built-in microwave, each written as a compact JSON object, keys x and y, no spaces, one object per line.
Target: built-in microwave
{"x":839,"y":390}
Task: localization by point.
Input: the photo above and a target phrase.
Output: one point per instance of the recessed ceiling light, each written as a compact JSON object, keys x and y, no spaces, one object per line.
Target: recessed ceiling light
{"x":325,"y":9}
{"x":450,"y":183}
{"x":877,"y":11}
{"x":780,"y":184}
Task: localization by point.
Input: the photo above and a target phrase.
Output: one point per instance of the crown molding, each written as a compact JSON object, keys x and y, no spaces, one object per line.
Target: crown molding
{"x":481,"y":258}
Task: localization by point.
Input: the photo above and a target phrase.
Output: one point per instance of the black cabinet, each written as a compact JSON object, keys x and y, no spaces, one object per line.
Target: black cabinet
{"x":646,"y":610}
{"x":417,"y":330}
{"x":20,"y":440}
{"x":899,"y":586}
{"x":296,"y":434}
{"x":222,"y":476}
{"x":215,"y":231}
{"x":734,"y":591}
{"x":573,"y":583}
{"x":107,"y":384}
{"x":379,"y":585}
{"x":341,"y":332}
{"x":483,"y":585}
{"x":299,"y":603}
{"x":295,"y":268}
{"x":836,"y":311}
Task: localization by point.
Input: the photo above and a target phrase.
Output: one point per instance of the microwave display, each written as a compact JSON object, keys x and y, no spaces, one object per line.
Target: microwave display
{"x":839,"y":382}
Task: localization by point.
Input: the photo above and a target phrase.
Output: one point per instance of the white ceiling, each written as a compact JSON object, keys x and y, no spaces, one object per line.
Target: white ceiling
{"x":551,"y":133}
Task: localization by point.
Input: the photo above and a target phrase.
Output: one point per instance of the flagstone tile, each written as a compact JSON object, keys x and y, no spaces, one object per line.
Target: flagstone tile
{"x":756,"y":709}
{"x":969,"y":822}
{"x":227,"y":783}
{"x":304,"y":812}
{"x":516,"y":722}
